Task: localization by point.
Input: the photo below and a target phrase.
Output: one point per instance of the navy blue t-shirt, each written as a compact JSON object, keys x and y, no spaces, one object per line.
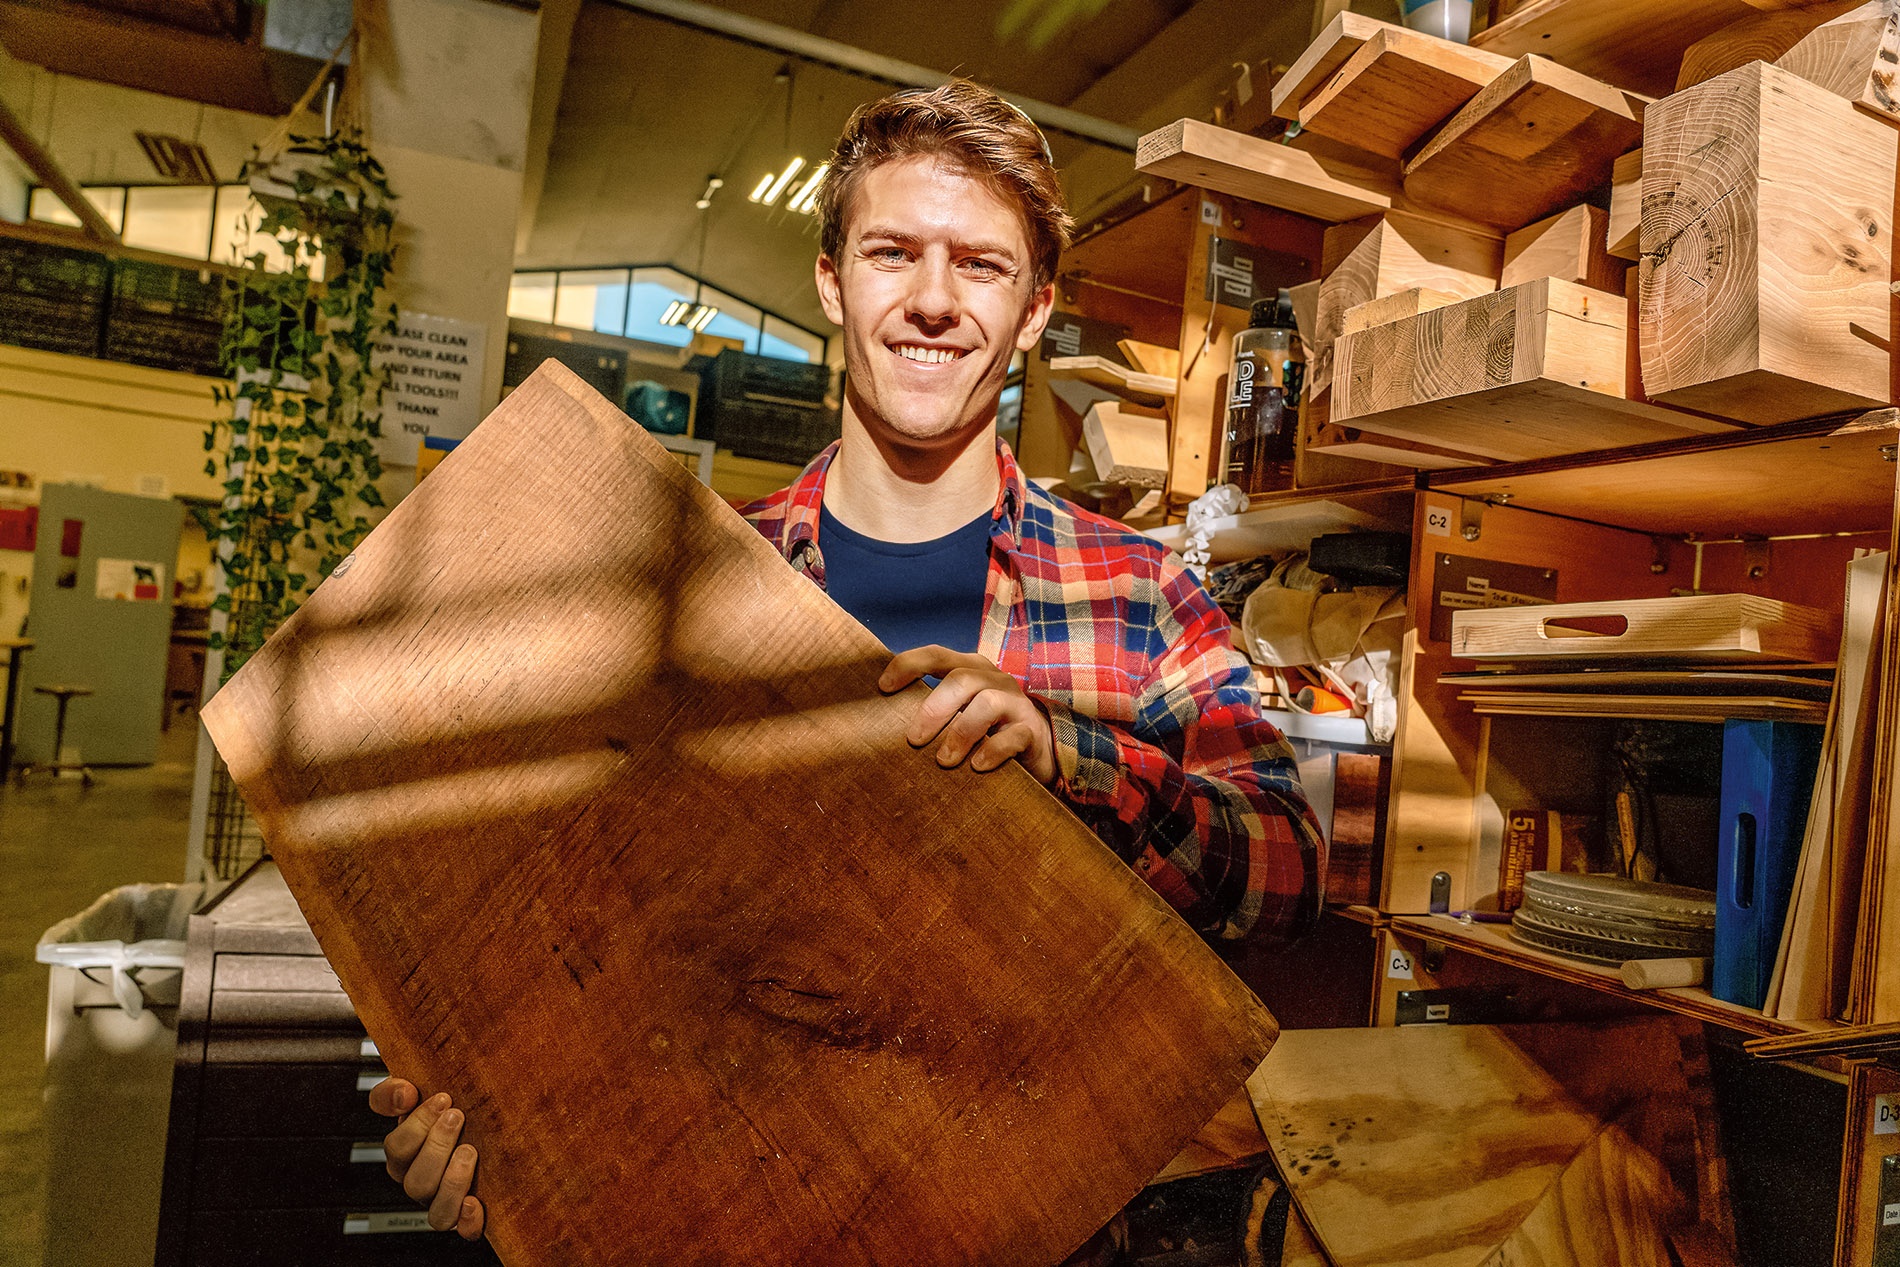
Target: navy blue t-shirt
{"x":910,"y":594}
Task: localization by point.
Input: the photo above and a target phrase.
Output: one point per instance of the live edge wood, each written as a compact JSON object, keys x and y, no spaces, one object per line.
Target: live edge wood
{"x":1273,"y":175}
{"x":1533,"y":371}
{"x":1767,"y":231}
{"x":1395,"y":88}
{"x":597,"y":811}
{"x":1534,"y":141}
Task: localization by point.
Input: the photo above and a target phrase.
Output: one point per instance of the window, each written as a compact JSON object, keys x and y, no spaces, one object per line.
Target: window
{"x":594,"y":299}
{"x":172,"y":218}
{"x":654,"y":291}
{"x":531,"y":296}
{"x":789,"y":342}
{"x":44,"y":205}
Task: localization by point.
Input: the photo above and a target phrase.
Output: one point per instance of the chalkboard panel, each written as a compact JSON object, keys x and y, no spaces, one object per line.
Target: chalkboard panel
{"x":51,"y":297}
{"x":165,"y":317}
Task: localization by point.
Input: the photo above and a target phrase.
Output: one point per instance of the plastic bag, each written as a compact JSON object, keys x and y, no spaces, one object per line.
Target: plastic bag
{"x":131,"y":928}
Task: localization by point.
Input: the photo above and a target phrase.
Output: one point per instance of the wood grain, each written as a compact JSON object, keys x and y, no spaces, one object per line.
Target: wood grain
{"x":1856,"y":56}
{"x":1537,"y":139}
{"x":1201,"y":154}
{"x":1571,"y":245}
{"x":1766,"y":239}
{"x":1395,"y":88}
{"x":596,"y":811}
{"x":1612,"y":1206}
{"x":1394,"y":307}
{"x":1343,"y":440}
{"x":1528,"y":372}
{"x":1099,"y":371}
{"x":1759,"y":37}
{"x":1634,"y":44}
{"x":1625,"y":228}
{"x":1128,"y":445}
{"x":1332,"y":48}
{"x":1697,"y":626}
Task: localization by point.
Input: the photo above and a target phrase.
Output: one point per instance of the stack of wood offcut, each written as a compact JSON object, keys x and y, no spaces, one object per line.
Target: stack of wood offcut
{"x":1525,"y":261}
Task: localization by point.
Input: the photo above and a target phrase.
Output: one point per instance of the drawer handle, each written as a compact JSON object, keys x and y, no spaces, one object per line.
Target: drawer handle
{"x":1584,"y":627}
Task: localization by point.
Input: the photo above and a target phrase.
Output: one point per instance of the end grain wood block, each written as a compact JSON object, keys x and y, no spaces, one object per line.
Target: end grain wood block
{"x":596,"y":810}
{"x":1406,"y":303}
{"x":1536,"y":140}
{"x":1397,"y":87}
{"x":1209,"y":157}
{"x":1759,"y":37}
{"x":1856,"y":56}
{"x":1331,"y":48}
{"x":1699,"y":626}
{"x":1128,"y":445}
{"x":1378,"y":256}
{"x":1530,"y":372}
{"x":1625,"y":229}
{"x":1570,"y":245}
{"x":1767,"y":235}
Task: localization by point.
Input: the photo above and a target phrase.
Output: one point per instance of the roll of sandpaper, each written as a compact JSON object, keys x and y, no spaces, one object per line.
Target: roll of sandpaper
{"x":1663,"y":974}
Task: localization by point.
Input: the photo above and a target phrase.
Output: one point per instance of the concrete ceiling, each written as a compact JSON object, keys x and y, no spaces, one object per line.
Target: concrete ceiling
{"x":645,"y":111}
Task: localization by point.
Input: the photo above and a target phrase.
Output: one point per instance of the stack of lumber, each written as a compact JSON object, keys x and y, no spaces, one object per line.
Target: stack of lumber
{"x":1475,"y":302}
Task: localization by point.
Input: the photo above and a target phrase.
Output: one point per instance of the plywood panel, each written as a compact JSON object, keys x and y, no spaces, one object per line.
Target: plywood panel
{"x":1767,"y":235}
{"x":600,"y":818}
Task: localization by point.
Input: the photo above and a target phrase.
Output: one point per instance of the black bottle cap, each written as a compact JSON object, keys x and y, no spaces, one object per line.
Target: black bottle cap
{"x":1272,"y":314}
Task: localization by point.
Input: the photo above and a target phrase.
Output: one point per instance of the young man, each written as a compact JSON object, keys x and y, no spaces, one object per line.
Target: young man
{"x":1059,"y":639}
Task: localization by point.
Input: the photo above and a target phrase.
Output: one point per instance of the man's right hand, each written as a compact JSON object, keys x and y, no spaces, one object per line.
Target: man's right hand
{"x":422,"y":1155}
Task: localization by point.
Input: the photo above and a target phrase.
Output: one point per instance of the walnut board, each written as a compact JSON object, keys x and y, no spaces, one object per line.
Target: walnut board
{"x":595,"y":808}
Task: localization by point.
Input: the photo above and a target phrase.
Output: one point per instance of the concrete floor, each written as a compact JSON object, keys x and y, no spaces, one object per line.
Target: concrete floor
{"x":61,"y":846}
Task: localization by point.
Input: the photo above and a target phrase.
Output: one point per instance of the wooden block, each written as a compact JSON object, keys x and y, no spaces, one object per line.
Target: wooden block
{"x":1766,"y":239}
{"x":1306,"y":312}
{"x":1397,"y":87}
{"x":1529,"y":372}
{"x":1406,"y":303}
{"x":1330,"y":49}
{"x":1570,"y":245}
{"x":1398,"y":251}
{"x":1128,"y":446}
{"x":1099,"y":371}
{"x":1201,"y":154}
{"x":1151,"y":358}
{"x":599,"y":816}
{"x":1855,"y":56}
{"x":1700,"y":626}
{"x":1536,"y":140}
{"x":1626,"y":207}
{"x":1759,"y":37}
{"x":1635,"y":44}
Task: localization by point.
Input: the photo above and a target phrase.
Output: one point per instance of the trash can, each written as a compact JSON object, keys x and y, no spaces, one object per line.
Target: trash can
{"x":111,"y":1031}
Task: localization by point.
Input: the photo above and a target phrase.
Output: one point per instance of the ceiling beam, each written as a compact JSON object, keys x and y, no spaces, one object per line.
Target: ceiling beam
{"x":875,"y":66}
{"x":50,"y":174}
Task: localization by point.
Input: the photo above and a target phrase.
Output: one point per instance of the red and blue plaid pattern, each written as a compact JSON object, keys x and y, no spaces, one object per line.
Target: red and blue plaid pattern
{"x":1156,"y":719}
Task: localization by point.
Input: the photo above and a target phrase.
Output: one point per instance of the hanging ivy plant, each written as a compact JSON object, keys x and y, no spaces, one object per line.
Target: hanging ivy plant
{"x":297,"y":449}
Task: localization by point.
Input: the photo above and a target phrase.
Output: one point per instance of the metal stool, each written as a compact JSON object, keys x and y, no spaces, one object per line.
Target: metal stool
{"x":65,"y":695}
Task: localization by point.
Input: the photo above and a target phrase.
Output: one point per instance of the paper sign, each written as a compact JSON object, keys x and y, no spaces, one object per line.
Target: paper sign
{"x":130,"y":581}
{"x":1398,"y":965}
{"x":386,"y":1221}
{"x":1437,"y":521}
{"x":1887,"y":1115}
{"x":435,"y":383}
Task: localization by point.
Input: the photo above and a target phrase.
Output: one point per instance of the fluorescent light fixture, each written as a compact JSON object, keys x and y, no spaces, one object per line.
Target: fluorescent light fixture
{"x":674,"y":311}
{"x":694,"y":316}
{"x":792,"y":169}
{"x":758,"y":193}
{"x":702,"y":318}
{"x":806,"y":198}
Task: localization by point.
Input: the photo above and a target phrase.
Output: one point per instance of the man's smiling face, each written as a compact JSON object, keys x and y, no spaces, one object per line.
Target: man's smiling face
{"x":934,"y":293}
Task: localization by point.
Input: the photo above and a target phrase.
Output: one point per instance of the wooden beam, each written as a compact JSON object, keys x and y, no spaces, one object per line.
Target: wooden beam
{"x":1528,"y":372}
{"x":49,"y":173}
{"x":1201,"y":154}
{"x":1855,"y":56}
{"x":1330,"y":49}
{"x":1766,"y":239}
{"x":1569,"y":245}
{"x":1538,"y":139}
{"x":1625,"y":228}
{"x":1759,"y":37}
{"x":1397,"y":87}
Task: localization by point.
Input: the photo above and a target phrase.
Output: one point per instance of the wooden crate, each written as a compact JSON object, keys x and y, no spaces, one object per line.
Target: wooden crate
{"x":1530,"y":372}
{"x":1766,"y":242}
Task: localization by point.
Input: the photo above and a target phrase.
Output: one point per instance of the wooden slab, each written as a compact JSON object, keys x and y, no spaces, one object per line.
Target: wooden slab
{"x":1692,"y":627}
{"x":1341,"y":440}
{"x":1197,"y":153}
{"x":1332,"y":48}
{"x":1759,"y":37}
{"x":600,"y":818}
{"x":1634,"y":44}
{"x":1396,"y":307}
{"x":1536,"y":140}
{"x":1100,"y":371}
{"x":1397,"y":87}
{"x":1625,"y":228}
{"x":1855,"y":56}
{"x":1570,"y":245}
{"x":1151,"y":358}
{"x":1766,"y":239}
{"x":1533,"y":371}
{"x":1127,"y":445}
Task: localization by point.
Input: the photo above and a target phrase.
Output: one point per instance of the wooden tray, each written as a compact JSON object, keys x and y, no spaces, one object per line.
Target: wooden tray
{"x":1698,"y":627}
{"x":596,"y":810}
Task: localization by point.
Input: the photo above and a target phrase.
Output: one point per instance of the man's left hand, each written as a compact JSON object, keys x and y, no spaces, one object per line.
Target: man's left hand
{"x":976,"y":711}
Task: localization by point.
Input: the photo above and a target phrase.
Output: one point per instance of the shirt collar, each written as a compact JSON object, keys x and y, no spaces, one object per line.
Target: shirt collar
{"x":807,"y":495}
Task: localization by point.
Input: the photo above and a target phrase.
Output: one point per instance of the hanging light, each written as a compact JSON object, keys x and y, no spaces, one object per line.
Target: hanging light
{"x":771,"y":187}
{"x":805,"y":199}
{"x":713,"y":186}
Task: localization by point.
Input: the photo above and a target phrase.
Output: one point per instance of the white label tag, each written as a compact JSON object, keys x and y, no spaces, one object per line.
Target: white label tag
{"x":363,"y":1154}
{"x":1398,"y":965}
{"x":1890,"y":1214}
{"x":369,"y":1051}
{"x":1437,"y":521}
{"x":1887,"y":1115}
{"x":368,"y":1081}
{"x":386,"y":1221}
{"x":1438,"y":1011}
{"x":1210,"y":213}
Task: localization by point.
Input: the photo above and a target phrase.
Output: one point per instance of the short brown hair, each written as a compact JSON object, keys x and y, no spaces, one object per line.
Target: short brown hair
{"x":974,"y":129}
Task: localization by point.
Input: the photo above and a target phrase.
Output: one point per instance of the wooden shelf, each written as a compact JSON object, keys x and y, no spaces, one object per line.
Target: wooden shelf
{"x":1099,"y":371}
{"x":1798,"y":477}
{"x":1278,"y":523}
{"x":1494,"y":942}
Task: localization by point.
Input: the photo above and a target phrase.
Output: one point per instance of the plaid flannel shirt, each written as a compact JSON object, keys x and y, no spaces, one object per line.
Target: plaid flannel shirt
{"x":1160,"y":745}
